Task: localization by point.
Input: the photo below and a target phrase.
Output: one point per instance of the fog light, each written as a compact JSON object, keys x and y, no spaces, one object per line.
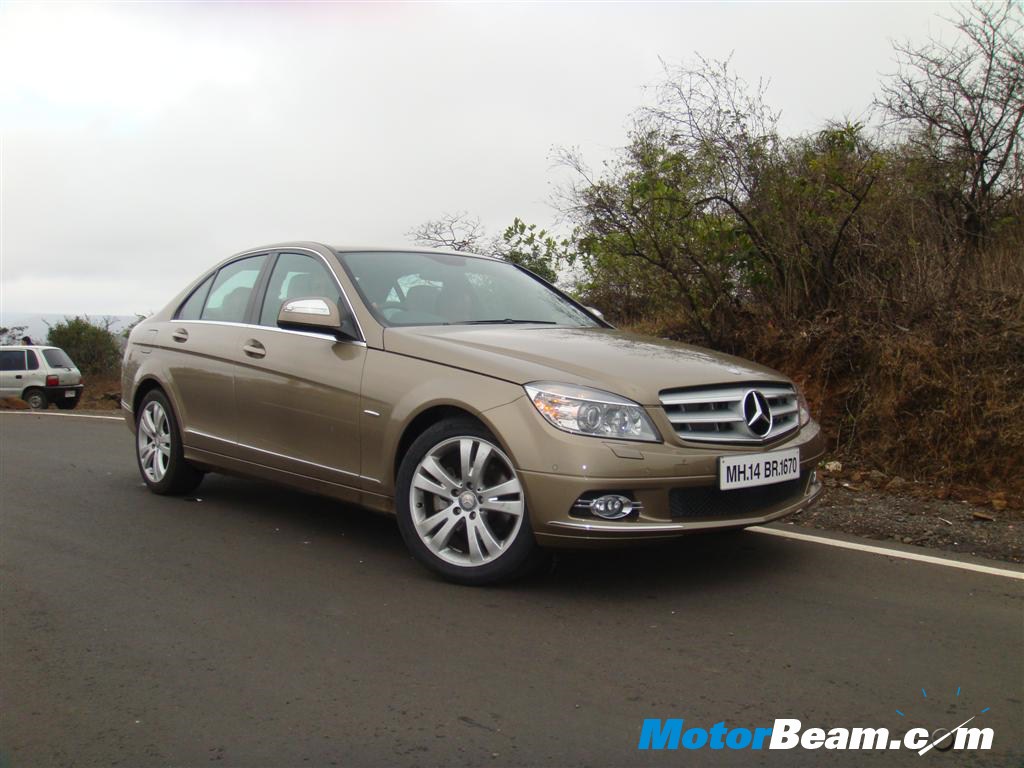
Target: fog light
{"x":611,"y":507}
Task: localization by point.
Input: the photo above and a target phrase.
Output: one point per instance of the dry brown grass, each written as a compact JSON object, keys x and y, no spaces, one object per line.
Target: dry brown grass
{"x":941,"y":402}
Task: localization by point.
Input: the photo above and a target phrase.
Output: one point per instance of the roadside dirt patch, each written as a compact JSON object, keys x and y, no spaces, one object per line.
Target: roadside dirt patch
{"x":101,"y":393}
{"x":955,"y":526}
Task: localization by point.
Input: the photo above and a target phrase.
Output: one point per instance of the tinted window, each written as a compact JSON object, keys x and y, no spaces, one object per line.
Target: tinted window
{"x":295,"y":276}
{"x":33,"y":361}
{"x":57,"y":358}
{"x":404,"y":288}
{"x":13,"y":360}
{"x":231,"y":289}
{"x":193,"y":306}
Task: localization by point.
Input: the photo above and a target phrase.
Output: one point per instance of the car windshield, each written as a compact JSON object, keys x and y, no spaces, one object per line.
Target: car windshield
{"x":410,"y":288}
{"x":57,"y":358}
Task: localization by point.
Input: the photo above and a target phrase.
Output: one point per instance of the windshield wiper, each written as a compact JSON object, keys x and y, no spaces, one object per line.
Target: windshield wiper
{"x":505,"y":321}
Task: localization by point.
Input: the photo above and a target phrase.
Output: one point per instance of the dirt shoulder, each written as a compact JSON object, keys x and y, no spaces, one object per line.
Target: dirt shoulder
{"x":947,"y":524}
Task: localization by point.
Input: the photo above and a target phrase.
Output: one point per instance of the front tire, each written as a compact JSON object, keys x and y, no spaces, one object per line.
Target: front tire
{"x":158,"y":448}
{"x":67,"y":405}
{"x":462,"y":508}
{"x":36,"y":399}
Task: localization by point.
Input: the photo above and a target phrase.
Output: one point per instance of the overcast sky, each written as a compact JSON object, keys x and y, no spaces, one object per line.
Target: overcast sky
{"x":142,"y":142}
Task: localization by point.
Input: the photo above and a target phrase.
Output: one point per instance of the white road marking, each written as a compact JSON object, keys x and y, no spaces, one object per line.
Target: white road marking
{"x":890,"y":552}
{"x":65,"y":415}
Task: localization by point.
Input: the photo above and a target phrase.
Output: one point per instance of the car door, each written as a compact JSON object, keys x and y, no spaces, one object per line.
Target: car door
{"x":203,"y":348}
{"x":298,"y":392}
{"x":12,"y":372}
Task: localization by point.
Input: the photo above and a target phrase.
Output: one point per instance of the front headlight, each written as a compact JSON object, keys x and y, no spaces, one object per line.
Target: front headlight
{"x":803,"y":408}
{"x":586,"y":411}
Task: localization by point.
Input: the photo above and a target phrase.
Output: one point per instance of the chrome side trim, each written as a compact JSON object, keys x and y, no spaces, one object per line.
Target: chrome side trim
{"x":281,"y":455}
{"x":208,"y":436}
{"x":125,"y":406}
{"x":300,"y":461}
{"x":620,"y":527}
{"x":368,"y":412}
{"x":311,"y":334}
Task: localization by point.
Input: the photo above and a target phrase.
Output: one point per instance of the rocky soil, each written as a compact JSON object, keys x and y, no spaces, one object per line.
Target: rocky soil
{"x":872,"y":505}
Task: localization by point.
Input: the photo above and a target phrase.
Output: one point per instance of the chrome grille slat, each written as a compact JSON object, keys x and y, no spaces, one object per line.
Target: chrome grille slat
{"x":715,"y":414}
{"x":711,"y":417}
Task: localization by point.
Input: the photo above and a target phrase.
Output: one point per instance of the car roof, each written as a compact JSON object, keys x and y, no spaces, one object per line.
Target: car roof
{"x":408,"y":249}
{"x":339,"y":249}
{"x":9,"y":347}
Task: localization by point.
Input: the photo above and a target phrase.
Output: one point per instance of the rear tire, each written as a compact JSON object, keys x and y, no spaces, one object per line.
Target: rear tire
{"x":461,"y":507}
{"x":158,"y":448}
{"x":36,"y":399}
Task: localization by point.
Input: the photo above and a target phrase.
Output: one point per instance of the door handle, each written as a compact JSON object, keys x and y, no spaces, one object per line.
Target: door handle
{"x":17,"y":376}
{"x":180,"y":335}
{"x":254,"y":349}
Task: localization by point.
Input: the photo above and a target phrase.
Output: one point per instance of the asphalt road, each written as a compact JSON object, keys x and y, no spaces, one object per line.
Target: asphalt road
{"x":255,"y":626}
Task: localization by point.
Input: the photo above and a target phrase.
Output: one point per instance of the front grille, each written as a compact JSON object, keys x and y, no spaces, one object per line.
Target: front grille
{"x":708,"y":501}
{"x":715,"y":414}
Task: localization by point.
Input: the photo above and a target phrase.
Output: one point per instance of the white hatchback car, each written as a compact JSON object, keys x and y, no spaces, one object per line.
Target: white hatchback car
{"x":40,"y":376}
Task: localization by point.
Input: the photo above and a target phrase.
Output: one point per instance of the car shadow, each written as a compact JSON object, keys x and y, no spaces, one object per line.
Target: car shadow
{"x":687,"y":563}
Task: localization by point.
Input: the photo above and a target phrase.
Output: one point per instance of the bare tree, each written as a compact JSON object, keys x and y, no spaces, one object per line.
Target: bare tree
{"x":714,"y":115}
{"x":962,"y":104}
{"x":457,"y":231}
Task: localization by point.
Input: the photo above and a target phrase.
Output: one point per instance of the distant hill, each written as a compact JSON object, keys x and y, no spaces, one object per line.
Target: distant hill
{"x":38,"y":326}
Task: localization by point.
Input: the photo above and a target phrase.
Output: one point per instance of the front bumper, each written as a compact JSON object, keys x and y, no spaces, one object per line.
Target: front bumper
{"x":557,"y":468}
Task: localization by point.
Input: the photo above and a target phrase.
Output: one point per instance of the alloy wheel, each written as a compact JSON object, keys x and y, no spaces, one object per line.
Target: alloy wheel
{"x":466,"y":501}
{"x":154,"y":443}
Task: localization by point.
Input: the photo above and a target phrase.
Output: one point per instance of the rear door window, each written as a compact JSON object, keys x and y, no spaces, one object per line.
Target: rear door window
{"x":192,"y":309}
{"x":12,"y":360}
{"x":232,"y":289}
{"x":32,"y":360}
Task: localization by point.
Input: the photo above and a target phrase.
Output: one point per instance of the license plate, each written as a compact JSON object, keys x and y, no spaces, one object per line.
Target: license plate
{"x":69,"y":393}
{"x":754,"y":469}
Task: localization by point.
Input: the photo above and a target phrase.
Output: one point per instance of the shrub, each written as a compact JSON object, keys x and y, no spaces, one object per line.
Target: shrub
{"x":94,"y":348}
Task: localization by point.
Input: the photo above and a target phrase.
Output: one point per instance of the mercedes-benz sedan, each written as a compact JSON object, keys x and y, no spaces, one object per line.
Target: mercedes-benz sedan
{"x":490,"y":412}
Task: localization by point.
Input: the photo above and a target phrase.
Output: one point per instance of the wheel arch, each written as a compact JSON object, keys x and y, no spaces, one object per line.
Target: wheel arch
{"x":435,"y":414}
{"x":146,"y":386}
{"x":32,"y":387}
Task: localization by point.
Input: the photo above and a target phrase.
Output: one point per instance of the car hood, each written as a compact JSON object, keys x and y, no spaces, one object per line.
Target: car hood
{"x":628,"y":364}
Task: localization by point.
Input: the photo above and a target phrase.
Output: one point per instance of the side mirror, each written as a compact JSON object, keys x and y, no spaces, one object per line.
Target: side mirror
{"x":596,"y":312}
{"x":311,"y":314}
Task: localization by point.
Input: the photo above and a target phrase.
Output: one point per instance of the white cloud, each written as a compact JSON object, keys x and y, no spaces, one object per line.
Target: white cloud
{"x":142,"y":142}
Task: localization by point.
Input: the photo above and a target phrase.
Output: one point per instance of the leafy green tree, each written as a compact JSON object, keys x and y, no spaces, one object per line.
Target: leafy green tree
{"x":535,"y":249}
{"x":94,"y":348}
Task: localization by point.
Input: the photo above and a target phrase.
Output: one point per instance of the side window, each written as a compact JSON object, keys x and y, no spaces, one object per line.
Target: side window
{"x":297,"y":275}
{"x":33,"y":361}
{"x":231,"y":289}
{"x":12,"y":360}
{"x":193,"y":306}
